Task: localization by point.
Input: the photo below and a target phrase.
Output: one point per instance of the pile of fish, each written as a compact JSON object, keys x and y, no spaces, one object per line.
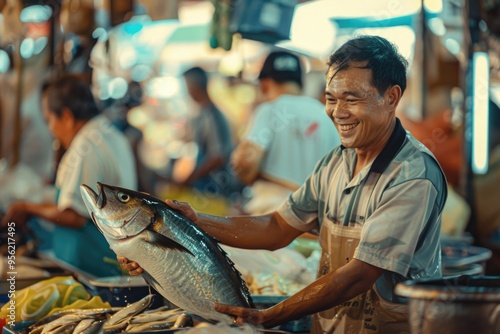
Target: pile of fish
{"x":133,"y":318}
{"x":180,"y":260}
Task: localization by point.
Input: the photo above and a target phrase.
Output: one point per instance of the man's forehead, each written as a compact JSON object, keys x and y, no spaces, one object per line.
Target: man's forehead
{"x":351,"y":82}
{"x":336,"y":69}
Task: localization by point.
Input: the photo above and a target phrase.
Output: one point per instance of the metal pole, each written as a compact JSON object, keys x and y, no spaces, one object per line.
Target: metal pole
{"x":423,"y":83}
{"x":472,"y":36}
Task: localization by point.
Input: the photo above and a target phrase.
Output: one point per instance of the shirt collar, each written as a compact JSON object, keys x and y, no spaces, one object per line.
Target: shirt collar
{"x":394,"y":144}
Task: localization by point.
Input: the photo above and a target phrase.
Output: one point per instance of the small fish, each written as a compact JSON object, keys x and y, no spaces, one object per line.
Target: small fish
{"x":64,"y":329}
{"x":95,"y":328}
{"x":83,"y":325}
{"x":121,"y":318}
{"x":156,"y":316}
{"x":180,"y":261}
{"x":97,"y":312}
{"x":146,"y":327}
{"x":182,"y":321}
{"x":68,"y":319}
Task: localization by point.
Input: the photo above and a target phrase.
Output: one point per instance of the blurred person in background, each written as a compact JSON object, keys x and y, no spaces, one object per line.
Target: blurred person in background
{"x":289,"y":134}
{"x":377,"y":201}
{"x":95,"y":152}
{"x":211,"y":132}
{"x":117,"y":110}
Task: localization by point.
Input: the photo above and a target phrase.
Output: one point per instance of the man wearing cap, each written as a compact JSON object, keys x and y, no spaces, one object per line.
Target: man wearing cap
{"x":289,"y":134}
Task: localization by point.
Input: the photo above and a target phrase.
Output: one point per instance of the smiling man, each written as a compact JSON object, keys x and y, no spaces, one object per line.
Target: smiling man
{"x":377,"y":201}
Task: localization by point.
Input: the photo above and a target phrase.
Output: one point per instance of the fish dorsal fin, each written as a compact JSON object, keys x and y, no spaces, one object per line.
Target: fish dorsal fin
{"x":164,"y":242}
{"x":231,"y":265}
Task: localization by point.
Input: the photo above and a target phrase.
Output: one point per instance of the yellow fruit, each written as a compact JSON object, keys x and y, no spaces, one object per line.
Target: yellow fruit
{"x":41,"y":303}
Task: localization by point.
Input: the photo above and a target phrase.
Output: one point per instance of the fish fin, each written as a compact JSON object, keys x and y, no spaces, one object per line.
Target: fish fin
{"x":150,"y":279}
{"x":163,"y":242}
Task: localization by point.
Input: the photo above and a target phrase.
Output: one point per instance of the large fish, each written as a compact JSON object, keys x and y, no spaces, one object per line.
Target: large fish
{"x":180,"y":261}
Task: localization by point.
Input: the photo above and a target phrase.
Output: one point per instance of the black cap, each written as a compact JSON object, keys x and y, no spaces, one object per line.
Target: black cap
{"x":282,"y":66}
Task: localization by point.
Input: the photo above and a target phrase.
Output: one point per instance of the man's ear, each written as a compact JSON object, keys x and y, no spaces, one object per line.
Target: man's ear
{"x":393,"y":96}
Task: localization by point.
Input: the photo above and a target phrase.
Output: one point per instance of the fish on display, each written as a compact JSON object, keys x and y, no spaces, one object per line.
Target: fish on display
{"x":120,"y":319}
{"x":180,"y":261}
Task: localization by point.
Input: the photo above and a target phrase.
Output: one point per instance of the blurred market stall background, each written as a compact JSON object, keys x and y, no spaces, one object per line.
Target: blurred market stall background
{"x":134,"y":52}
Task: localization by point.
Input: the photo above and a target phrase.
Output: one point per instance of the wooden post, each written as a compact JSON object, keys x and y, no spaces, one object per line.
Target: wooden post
{"x":17,"y":134}
{"x":14,"y":34}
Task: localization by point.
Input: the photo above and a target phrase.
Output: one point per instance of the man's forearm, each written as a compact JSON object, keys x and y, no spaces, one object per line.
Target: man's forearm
{"x":206,"y":168}
{"x":50,"y":212}
{"x":328,"y":291}
{"x":250,"y":232}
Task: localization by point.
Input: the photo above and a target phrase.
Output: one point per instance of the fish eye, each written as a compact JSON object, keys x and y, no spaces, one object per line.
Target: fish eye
{"x":124,"y":198}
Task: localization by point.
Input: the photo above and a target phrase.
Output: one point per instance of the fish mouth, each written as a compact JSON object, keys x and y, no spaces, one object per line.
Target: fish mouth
{"x":97,"y":199}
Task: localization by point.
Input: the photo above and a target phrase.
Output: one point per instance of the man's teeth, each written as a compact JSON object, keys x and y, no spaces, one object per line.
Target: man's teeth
{"x":347,"y":127}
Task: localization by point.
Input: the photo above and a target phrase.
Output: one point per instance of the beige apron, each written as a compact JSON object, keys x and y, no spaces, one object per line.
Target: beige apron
{"x":366,"y":313}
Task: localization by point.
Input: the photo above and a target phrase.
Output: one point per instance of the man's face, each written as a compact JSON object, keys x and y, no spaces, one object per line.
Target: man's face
{"x":358,"y":111}
{"x":264,"y":86}
{"x":56,"y":125}
{"x":192,"y":89}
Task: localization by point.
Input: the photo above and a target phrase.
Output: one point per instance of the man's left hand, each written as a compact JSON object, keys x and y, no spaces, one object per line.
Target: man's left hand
{"x":17,"y":213}
{"x":243,"y":315}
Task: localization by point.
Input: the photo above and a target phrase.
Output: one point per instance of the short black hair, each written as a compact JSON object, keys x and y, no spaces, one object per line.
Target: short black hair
{"x":282,"y":66}
{"x":197,"y":76}
{"x":387,"y":64}
{"x":73,"y":92}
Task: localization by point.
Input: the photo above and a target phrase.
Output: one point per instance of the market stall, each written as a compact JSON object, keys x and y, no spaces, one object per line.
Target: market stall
{"x":39,"y":293}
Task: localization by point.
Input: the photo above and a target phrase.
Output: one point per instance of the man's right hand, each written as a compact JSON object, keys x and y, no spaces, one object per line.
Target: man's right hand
{"x":133,"y":267}
{"x":184,"y":208}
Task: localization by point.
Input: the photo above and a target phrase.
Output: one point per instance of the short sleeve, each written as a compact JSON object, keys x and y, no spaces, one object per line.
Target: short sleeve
{"x":301,"y":210}
{"x":392,"y":237}
{"x":261,"y":131}
{"x":81,"y":168}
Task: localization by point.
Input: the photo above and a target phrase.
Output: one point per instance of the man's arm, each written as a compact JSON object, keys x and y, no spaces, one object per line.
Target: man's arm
{"x":269,"y":232}
{"x":250,"y":232}
{"x":205,"y":168}
{"x":19,"y":213}
{"x":246,"y":160}
{"x":328,"y":291}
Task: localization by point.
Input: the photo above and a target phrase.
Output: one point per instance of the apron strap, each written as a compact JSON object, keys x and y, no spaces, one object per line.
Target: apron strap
{"x":390,"y":150}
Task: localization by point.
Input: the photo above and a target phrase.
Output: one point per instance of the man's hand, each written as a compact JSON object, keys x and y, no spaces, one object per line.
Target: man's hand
{"x":246,"y":160}
{"x":243,"y":315}
{"x":16,"y":213}
{"x":184,"y":208}
{"x":132,"y":267}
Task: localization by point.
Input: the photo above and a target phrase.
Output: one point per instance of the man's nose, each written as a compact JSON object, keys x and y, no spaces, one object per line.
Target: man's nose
{"x":338,"y":110}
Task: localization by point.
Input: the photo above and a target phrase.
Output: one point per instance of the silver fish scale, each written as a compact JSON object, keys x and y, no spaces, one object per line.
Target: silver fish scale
{"x":194,"y":281}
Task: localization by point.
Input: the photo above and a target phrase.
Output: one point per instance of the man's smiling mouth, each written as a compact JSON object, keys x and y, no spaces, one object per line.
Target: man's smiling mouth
{"x":347,"y":127}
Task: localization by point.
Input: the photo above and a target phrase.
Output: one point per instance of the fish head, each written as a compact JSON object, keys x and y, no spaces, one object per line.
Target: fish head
{"x":118,"y":213}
